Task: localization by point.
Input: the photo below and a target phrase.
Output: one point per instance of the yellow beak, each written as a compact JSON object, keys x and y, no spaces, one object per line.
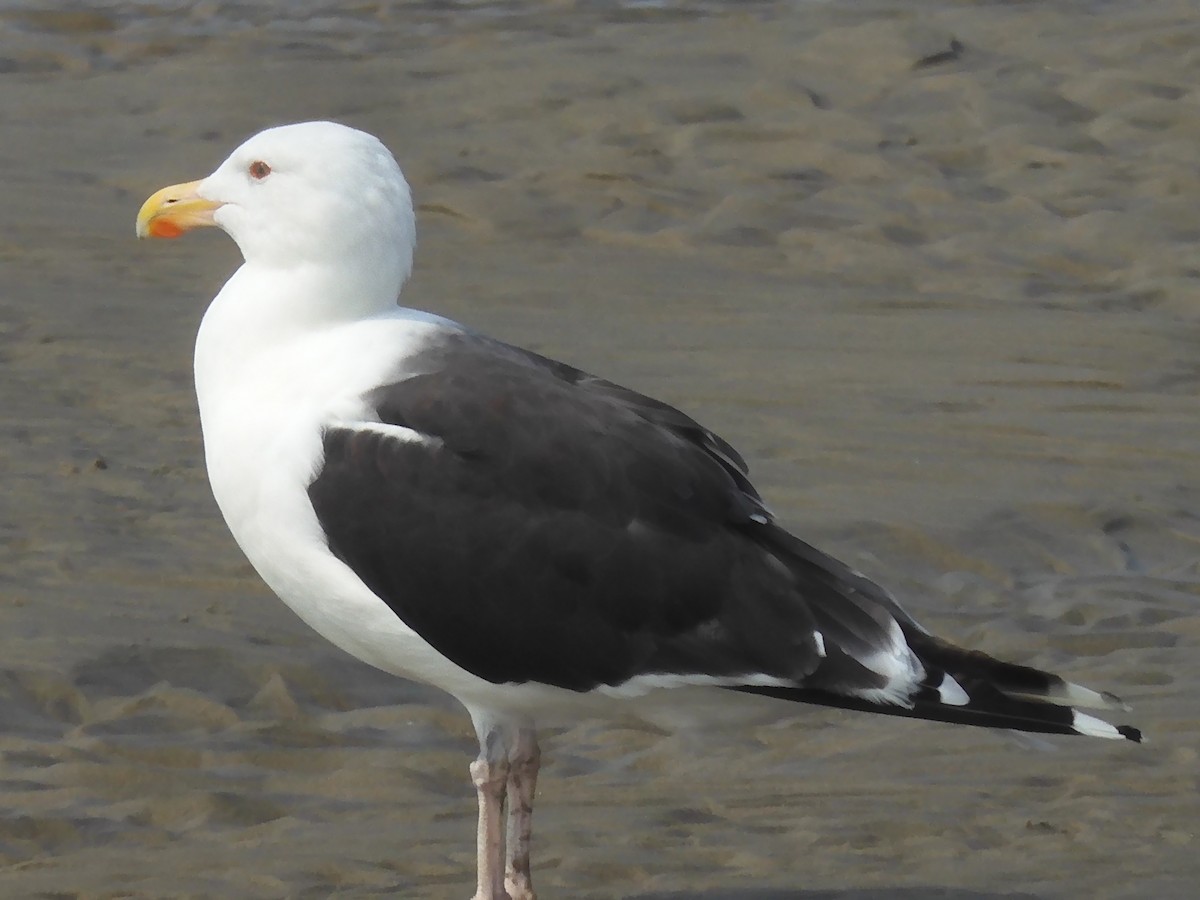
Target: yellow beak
{"x":173,"y":210}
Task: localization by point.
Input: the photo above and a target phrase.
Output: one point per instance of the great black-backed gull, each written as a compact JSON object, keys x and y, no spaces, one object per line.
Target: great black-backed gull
{"x":538,"y":542}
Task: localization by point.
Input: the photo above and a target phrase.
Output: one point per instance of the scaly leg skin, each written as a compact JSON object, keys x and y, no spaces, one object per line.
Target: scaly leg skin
{"x":523,"y":760}
{"x":490,"y":777}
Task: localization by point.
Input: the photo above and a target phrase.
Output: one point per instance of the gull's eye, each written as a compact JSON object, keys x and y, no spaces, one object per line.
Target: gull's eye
{"x":259,"y":170}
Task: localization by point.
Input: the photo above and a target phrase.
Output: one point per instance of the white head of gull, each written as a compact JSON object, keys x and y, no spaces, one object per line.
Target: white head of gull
{"x":540,"y":543}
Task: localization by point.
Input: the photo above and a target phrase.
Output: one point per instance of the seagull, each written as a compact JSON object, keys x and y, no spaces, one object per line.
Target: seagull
{"x":541,"y":543}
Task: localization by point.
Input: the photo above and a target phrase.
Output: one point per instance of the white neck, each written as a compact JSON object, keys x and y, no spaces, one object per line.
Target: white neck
{"x":265,"y":307}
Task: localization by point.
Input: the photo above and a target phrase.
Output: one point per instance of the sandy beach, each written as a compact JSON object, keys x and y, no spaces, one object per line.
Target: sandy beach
{"x":933,"y":268}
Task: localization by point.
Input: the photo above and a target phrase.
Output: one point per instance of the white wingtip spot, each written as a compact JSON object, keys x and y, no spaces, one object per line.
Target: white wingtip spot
{"x":951,"y":692}
{"x":899,"y":667}
{"x":1090,"y":725}
{"x":820,"y":640}
{"x":1078,"y":695}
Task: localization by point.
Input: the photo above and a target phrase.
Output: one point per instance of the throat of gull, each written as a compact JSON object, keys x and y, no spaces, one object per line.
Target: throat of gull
{"x":265,"y":309}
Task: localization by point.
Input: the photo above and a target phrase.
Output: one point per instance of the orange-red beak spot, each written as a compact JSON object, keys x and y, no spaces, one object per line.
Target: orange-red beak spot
{"x":164,"y":228}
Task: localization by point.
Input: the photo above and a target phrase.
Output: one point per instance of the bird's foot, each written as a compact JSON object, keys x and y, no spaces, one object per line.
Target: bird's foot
{"x":519,"y":887}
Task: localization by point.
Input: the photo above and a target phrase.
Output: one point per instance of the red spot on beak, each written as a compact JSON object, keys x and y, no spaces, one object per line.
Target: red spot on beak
{"x":165,"y":228}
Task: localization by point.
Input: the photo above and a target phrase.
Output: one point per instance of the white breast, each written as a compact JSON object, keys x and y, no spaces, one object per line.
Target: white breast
{"x":263,"y":406}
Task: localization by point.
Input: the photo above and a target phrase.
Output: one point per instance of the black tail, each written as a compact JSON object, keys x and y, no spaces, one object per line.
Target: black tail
{"x":965,"y":687}
{"x":987,"y":708}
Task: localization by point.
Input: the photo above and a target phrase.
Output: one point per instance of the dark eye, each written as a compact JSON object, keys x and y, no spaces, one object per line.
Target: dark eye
{"x":259,"y":170}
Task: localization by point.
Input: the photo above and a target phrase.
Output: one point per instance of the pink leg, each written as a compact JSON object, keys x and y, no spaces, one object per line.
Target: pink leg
{"x":490,"y":778}
{"x":524,"y":759}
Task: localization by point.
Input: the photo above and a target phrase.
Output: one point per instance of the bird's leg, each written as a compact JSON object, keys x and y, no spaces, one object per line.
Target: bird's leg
{"x":490,"y":775}
{"x":523,"y":759}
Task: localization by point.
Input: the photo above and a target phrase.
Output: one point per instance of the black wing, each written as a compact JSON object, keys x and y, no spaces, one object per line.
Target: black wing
{"x":565,"y":530}
{"x":561,"y":529}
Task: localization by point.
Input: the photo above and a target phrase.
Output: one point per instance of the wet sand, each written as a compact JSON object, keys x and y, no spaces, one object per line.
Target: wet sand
{"x":935,"y":275}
